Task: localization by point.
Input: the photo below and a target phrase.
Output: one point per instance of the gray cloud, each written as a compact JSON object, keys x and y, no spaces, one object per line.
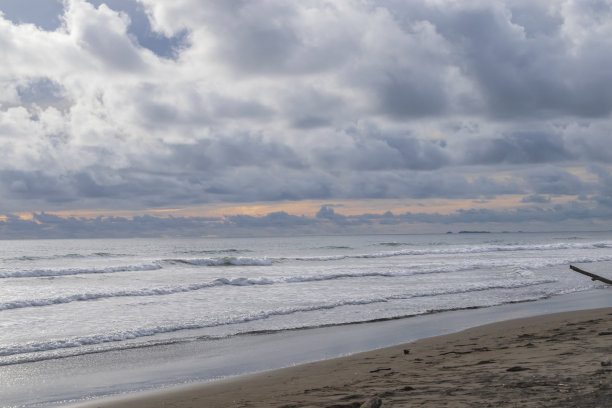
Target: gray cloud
{"x":518,"y":148}
{"x":383,"y":152}
{"x":535,"y":198}
{"x":278,"y":219}
{"x":143,"y":103}
{"x":552,"y":180}
{"x":523,"y":74}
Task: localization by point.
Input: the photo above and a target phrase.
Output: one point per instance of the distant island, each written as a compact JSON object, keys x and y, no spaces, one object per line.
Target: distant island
{"x":474,"y":232}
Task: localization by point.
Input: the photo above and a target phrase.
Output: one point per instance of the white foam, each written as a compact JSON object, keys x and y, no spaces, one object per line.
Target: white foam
{"x":520,"y":269}
{"x":77,"y":271}
{"x":147,"y":332}
{"x":464,"y":250}
{"x":223,"y":261}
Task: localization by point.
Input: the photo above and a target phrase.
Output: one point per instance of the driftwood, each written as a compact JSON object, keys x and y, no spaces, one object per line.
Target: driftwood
{"x":591,"y":275}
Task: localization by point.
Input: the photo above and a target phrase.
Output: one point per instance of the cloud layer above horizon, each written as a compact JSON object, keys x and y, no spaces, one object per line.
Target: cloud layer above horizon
{"x":140,"y":104}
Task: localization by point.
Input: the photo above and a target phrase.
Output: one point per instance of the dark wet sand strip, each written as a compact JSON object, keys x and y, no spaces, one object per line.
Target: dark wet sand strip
{"x":559,"y":360}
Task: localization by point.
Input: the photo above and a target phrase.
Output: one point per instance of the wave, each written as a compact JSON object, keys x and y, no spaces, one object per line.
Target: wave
{"x":484,"y":287}
{"x":239,"y":281}
{"x":82,"y":297}
{"x":391,"y":244}
{"x":223,"y":261}
{"x":243,"y":281}
{"x":214,"y":251}
{"x":34,"y":273}
{"x":265,"y":261}
{"x":120,"y":336}
{"x":335,"y":247}
{"x":67,"y":256}
{"x":461,"y":250}
{"x":18,"y":304}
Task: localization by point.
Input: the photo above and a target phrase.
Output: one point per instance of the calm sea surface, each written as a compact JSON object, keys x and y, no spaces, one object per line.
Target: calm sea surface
{"x":69,"y":297}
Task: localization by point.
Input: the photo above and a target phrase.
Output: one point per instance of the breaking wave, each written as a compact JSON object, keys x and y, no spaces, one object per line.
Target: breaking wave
{"x":77,"y":271}
{"x":462,"y":250}
{"x":223,"y":261}
{"x":69,"y":343}
{"x":239,"y":281}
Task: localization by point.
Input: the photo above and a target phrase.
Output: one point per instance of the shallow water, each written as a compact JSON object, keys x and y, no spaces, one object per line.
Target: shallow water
{"x":62,"y":298}
{"x":66,"y":297}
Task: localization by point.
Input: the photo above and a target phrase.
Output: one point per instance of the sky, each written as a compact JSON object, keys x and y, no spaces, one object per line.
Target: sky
{"x":212,"y":118}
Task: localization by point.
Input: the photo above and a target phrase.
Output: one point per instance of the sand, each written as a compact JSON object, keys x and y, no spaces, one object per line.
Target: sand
{"x":558,"y":360}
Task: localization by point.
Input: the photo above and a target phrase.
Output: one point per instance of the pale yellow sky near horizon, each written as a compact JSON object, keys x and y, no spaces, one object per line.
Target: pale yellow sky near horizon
{"x":309,"y":208}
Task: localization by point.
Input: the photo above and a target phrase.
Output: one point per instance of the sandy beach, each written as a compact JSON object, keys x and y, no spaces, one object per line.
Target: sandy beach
{"x":556,"y":360}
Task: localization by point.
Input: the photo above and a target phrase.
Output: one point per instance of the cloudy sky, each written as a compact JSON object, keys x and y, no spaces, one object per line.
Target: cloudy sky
{"x":196,"y":117}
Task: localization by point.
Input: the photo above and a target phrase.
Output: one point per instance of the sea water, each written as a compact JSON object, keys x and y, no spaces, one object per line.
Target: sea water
{"x":62,"y":298}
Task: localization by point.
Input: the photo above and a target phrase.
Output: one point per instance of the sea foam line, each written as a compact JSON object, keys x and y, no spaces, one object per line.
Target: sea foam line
{"x":222,"y":261}
{"x":242,"y":281}
{"x":119,"y":336}
{"x":265,"y":261}
{"x":68,"y":256}
{"x":35,"y":273}
{"x":462,"y":250}
{"x":83,"y":297}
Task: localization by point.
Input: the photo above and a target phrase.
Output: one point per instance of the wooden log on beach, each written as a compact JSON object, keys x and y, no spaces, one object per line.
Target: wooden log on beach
{"x":591,"y":275}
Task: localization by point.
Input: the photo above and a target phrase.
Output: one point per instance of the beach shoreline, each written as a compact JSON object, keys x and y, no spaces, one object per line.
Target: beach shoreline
{"x":560,"y":359}
{"x":114,"y":378}
{"x":108,"y":325}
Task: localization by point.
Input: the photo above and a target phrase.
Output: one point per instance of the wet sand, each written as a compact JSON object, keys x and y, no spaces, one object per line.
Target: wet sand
{"x":555,"y":360}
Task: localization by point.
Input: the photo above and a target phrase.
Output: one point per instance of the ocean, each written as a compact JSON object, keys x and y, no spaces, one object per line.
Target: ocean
{"x":66,"y":298}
